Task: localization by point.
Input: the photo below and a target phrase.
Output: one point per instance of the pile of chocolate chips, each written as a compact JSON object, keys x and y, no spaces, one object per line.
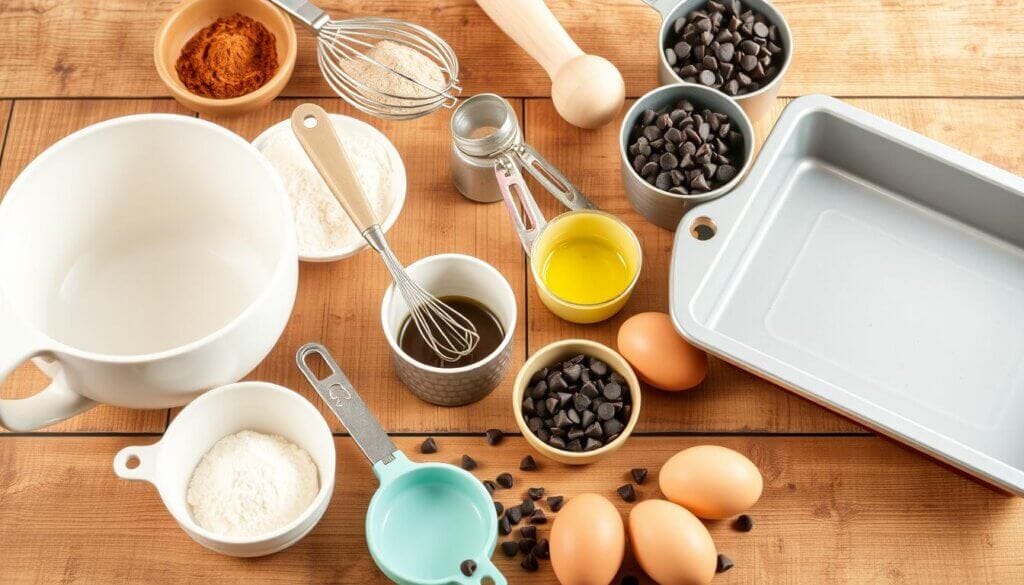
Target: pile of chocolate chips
{"x":726,"y":47}
{"x":683,"y":151}
{"x":577,"y":405}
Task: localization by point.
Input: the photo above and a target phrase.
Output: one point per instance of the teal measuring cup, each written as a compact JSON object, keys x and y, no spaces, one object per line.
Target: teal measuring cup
{"x":425,"y":519}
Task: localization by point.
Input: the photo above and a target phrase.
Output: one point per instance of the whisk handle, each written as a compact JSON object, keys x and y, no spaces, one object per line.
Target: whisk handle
{"x":305,"y":12}
{"x":316,"y":134}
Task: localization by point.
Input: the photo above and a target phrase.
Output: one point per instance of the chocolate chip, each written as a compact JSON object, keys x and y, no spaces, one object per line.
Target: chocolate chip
{"x":668,"y":161}
{"x":538,"y":517}
{"x":504,"y":480}
{"x":726,"y":173}
{"x":514,"y":514}
{"x":527,"y":507}
{"x":543,"y":549}
{"x":555,"y":503}
{"x":428,"y":446}
{"x":529,"y":563}
{"x":504,"y":526}
{"x":490,"y":486}
{"x":499,"y":508}
{"x":592,"y":444}
{"x":468,"y":463}
{"x":627,"y":492}
{"x":723,"y":564}
{"x":639,"y":474}
{"x":605,"y":412}
{"x":528,"y":531}
{"x":468,"y":567}
{"x":494,"y":436}
{"x":535,"y":493}
{"x":743,"y":523}
{"x":510,"y":548}
{"x":707,"y":77}
{"x":611,"y":429}
{"x":528,"y":463}
{"x":648,"y":118}
{"x":526,"y":545}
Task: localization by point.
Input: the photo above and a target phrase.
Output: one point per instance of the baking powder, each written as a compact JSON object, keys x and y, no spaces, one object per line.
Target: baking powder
{"x":321,"y":224}
{"x":250,"y":484}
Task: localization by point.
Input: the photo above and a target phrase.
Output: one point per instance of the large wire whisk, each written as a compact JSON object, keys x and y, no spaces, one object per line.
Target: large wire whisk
{"x":447,"y":332}
{"x":350,"y":60}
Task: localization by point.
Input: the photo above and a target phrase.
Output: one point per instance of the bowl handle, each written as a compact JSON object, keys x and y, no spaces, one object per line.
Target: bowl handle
{"x":143,"y":457}
{"x":485,"y":569}
{"x":54,"y":403}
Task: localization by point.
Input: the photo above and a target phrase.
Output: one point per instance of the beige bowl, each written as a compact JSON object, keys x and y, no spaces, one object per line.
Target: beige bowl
{"x":186,"y":20}
{"x":560,"y":351}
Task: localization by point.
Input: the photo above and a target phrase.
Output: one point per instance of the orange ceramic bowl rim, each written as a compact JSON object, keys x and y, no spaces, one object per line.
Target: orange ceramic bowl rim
{"x":563,"y":349}
{"x":168,"y":75}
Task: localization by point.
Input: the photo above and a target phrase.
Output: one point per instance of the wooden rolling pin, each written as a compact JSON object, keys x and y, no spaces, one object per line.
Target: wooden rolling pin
{"x":587,"y":90}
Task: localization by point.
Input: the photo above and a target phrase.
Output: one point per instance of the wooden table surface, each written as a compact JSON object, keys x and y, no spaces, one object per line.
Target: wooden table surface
{"x":840,"y":505}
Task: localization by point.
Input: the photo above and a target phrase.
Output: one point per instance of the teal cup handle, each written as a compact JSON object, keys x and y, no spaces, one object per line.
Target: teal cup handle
{"x":484,"y":569}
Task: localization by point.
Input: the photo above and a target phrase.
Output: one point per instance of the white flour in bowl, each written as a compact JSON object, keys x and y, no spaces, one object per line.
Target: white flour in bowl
{"x":251,"y":484}
{"x":321,"y":225}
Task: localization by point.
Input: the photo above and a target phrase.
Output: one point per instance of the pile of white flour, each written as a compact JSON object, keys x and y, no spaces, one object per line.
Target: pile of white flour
{"x":321,"y":225}
{"x":250,"y":484}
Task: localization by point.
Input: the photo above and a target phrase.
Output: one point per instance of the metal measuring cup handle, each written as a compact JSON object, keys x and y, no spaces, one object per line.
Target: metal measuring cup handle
{"x":340,"y":395}
{"x":552,"y":179}
{"x":516,"y":196}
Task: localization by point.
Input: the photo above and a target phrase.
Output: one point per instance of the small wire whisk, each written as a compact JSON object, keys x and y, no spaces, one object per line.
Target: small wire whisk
{"x":446,"y":331}
{"x":385,"y":67}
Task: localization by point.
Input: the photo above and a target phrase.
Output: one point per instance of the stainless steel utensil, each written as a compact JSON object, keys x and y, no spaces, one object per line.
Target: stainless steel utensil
{"x":449,"y":333}
{"x":342,"y":47}
{"x":875,"y":272}
{"x":660,"y":207}
{"x":487,"y":145}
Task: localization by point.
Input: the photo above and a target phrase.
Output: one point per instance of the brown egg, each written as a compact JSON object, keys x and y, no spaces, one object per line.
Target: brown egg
{"x":712,"y":482}
{"x":672,"y":546}
{"x":659,"y":355}
{"x":588,"y":541}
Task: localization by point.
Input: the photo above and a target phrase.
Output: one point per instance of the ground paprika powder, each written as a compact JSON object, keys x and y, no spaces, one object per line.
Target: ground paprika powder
{"x":229,"y":58}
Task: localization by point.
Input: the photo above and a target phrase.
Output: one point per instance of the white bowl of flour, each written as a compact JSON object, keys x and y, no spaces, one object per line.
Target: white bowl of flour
{"x":323,"y":230}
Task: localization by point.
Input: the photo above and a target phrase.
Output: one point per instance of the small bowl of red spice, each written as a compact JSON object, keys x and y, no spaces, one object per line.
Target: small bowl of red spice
{"x":225,"y":57}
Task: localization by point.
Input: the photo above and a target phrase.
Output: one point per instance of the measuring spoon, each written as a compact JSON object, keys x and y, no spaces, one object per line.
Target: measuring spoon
{"x":425,"y":519}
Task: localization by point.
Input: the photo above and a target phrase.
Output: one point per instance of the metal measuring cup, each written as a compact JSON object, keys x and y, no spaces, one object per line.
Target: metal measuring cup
{"x":487,"y":142}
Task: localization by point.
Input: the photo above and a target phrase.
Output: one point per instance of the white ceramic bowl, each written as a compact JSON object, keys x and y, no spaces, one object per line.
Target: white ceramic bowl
{"x":398,"y":181}
{"x":258,"y":406}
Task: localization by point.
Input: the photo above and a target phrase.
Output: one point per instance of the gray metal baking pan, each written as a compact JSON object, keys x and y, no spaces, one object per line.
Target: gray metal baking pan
{"x":875,"y":272}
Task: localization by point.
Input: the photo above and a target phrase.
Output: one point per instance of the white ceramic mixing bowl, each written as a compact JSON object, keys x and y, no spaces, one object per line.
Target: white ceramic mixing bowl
{"x":256,"y":406}
{"x":149,"y":258}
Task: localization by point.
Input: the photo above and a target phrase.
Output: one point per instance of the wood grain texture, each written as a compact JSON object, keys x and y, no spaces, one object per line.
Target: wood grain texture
{"x":338,"y":303}
{"x":729,"y":399}
{"x":834,"y":511}
{"x":34,"y":126}
{"x":843,"y":47}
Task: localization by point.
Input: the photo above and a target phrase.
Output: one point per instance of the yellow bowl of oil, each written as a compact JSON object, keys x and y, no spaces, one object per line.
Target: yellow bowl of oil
{"x":585,"y":264}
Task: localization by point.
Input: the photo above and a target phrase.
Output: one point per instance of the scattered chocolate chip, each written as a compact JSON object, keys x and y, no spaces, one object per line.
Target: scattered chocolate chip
{"x":468,"y":567}
{"x":468,"y":463}
{"x":494,"y":436}
{"x":555,"y":503}
{"x":743,"y":523}
{"x":528,"y":531}
{"x":514,"y":514}
{"x":510,"y":548}
{"x":538,"y":517}
{"x":527,"y":507}
{"x":504,"y":526}
{"x":535,"y":493}
{"x":543,"y":549}
{"x":499,"y":508}
{"x":529,"y":563}
{"x":504,"y":480}
{"x":429,"y":446}
{"x":639,"y":474}
{"x":627,"y":493}
{"x":724,"y":564}
{"x":528,"y":463}
{"x":490,"y":485}
{"x":526,"y":545}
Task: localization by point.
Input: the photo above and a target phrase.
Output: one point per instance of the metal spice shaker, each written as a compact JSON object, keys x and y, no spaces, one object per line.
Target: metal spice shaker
{"x":486,"y":139}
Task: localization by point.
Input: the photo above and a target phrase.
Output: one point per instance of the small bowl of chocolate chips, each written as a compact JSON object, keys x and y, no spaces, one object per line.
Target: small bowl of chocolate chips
{"x":575,"y":401}
{"x":680,"y":145}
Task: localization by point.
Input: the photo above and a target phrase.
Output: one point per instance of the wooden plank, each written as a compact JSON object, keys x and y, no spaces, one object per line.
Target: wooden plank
{"x":34,"y":126}
{"x":729,"y":399}
{"x":338,"y":303}
{"x":94,"y":48}
{"x":834,"y":510}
